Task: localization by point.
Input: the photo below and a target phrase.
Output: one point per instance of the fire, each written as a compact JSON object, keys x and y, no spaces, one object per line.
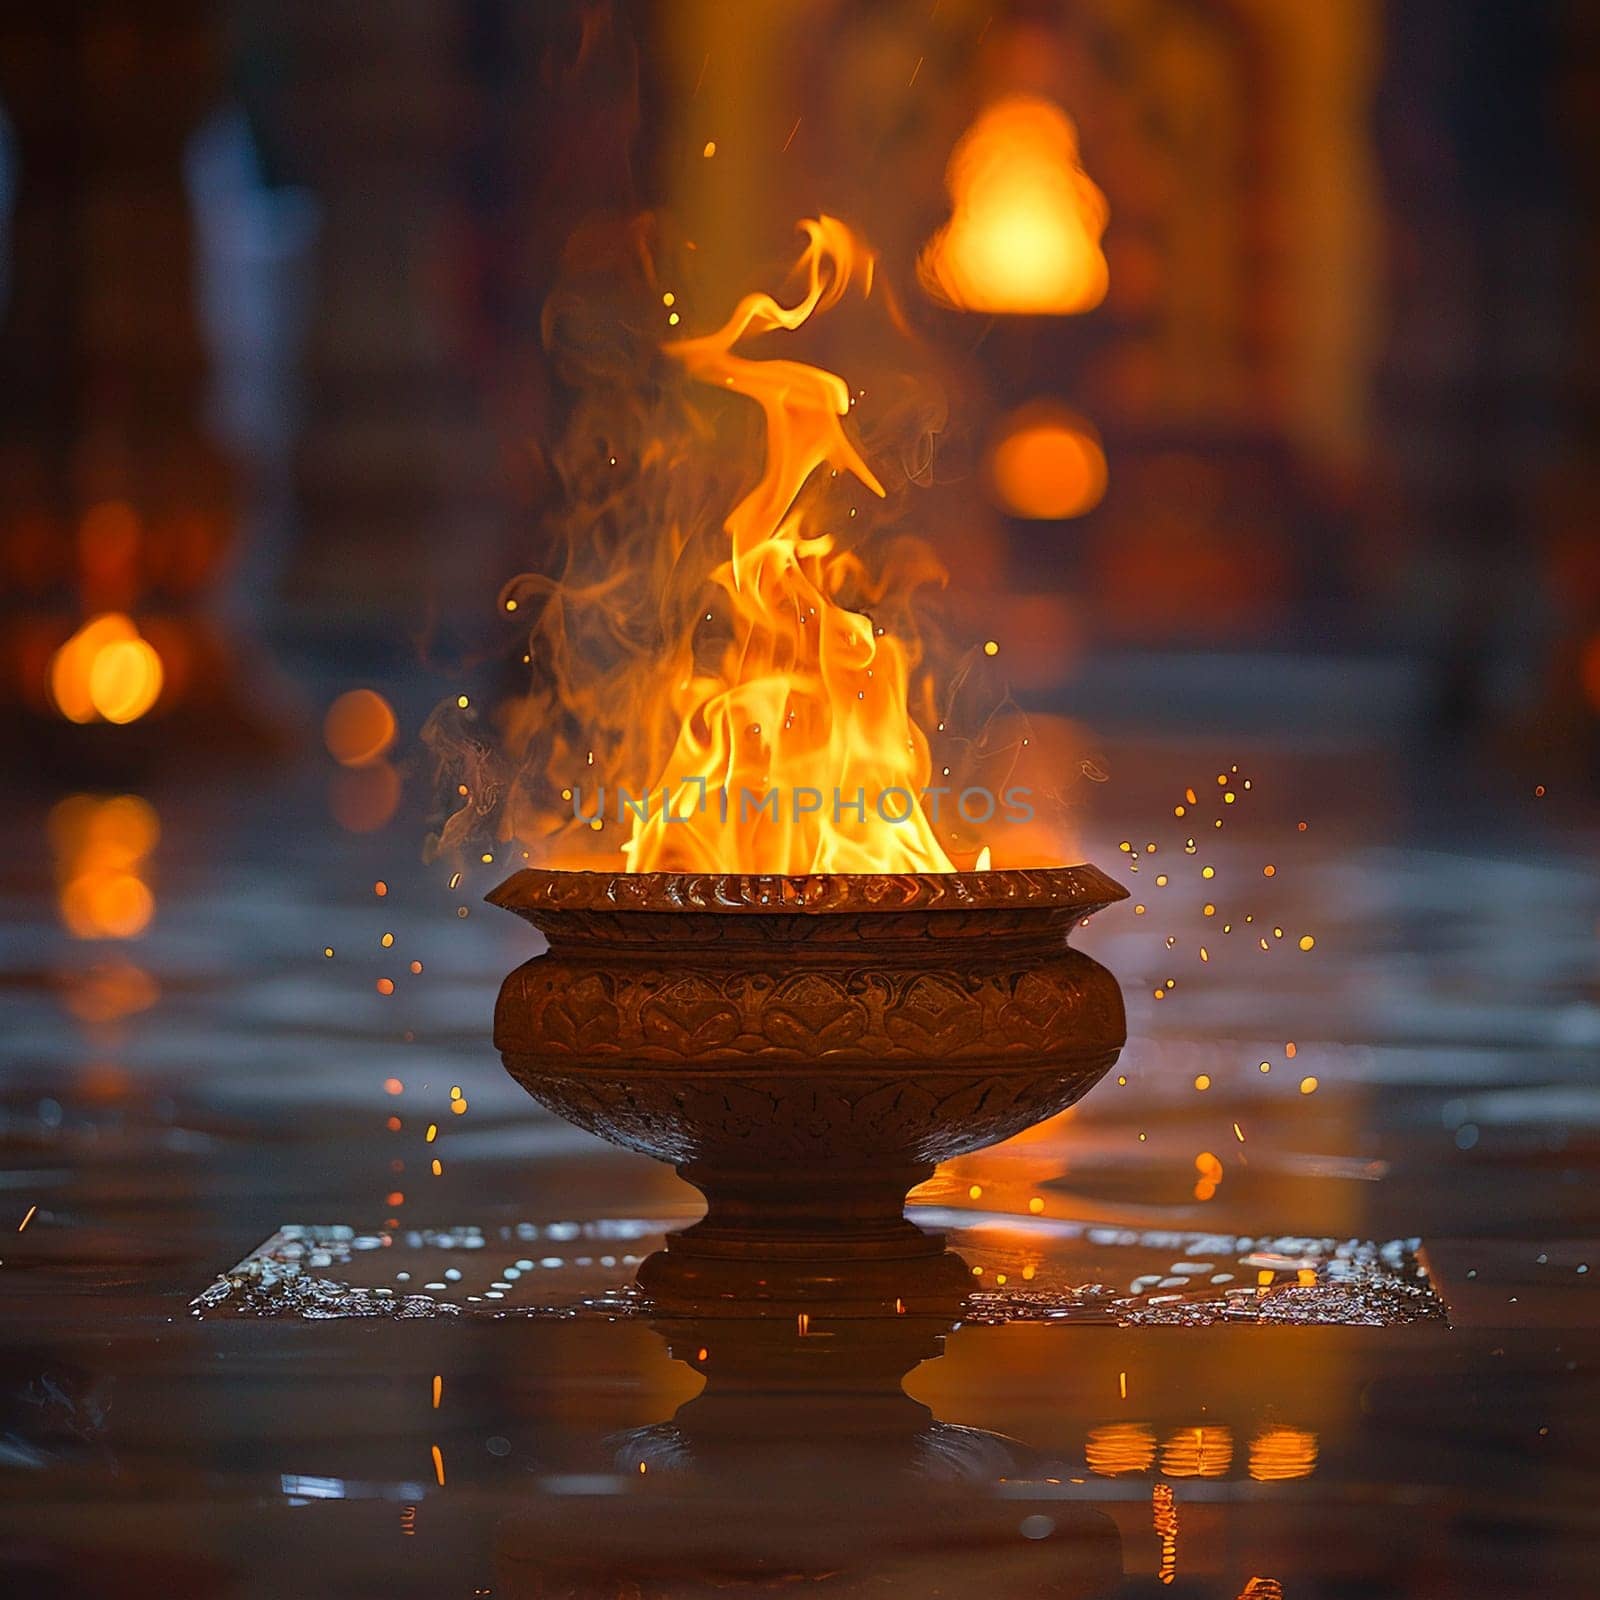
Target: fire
{"x":1026,"y":220}
{"x":805,"y":693}
{"x":725,"y":668}
{"x":106,"y":672}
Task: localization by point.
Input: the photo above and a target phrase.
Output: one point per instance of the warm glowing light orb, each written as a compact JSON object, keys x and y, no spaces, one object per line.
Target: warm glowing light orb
{"x":100,"y":846}
{"x":358,"y":728}
{"x":1046,"y":464}
{"x":106,"y":672}
{"x":1026,"y":220}
{"x":115,"y":905}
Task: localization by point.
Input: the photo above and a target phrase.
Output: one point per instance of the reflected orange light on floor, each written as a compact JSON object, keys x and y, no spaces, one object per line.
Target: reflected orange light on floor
{"x":1026,"y":220}
{"x":110,"y":990}
{"x":1279,"y":1454}
{"x":1120,"y":1447}
{"x":1589,"y":670}
{"x":1198,"y":1453}
{"x":100,"y":847}
{"x":358,"y":728}
{"x":1046,"y":464}
{"x":106,"y":672}
{"x":363,"y":799}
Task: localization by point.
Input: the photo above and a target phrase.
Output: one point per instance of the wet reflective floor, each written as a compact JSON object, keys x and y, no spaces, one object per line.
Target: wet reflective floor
{"x":1298,"y":1301}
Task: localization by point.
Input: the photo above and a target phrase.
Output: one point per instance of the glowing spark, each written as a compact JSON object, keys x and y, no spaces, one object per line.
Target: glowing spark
{"x":1036,"y":1205}
{"x":1238,"y":1133}
{"x":386,"y":940}
{"x":1122,"y":1385}
{"x":432,"y":1133}
{"x":710,"y":149}
{"x":393,"y":1086}
{"x":27,"y":1219}
{"x":792,"y":132}
{"x":975,"y":1192}
{"x":462,"y":701}
{"x":991,"y":647}
{"x":1203,"y":1082}
{"x":438,"y":1465}
{"x":1307,"y":942}
{"x":438,"y":1390}
{"x":380,"y":888}
{"x":385,"y":985}
{"x":1308,"y":1086}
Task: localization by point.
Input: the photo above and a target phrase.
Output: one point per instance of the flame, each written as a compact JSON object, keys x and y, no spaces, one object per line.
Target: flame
{"x":761,"y":666}
{"x":806,"y":694}
{"x":106,"y":672}
{"x":1026,"y":220}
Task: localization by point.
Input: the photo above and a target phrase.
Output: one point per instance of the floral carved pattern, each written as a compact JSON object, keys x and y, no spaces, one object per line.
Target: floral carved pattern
{"x":728,"y":1024}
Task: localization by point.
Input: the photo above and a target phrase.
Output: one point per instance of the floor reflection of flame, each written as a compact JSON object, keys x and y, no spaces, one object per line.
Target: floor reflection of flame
{"x":1279,"y":1454}
{"x":1198,"y":1453}
{"x":1164,"y":1518}
{"x":1120,"y":1447}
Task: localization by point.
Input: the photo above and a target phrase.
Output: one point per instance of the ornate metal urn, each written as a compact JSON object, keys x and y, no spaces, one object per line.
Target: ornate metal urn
{"x":804,"y":1050}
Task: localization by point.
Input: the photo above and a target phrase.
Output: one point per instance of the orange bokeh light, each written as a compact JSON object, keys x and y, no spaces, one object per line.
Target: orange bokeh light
{"x":363,"y":799}
{"x":106,"y":672}
{"x":1026,"y":220}
{"x":358,"y":728}
{"x":1589,"y":670}
{"x":100,"y":847}
{"x":1047,"y":464}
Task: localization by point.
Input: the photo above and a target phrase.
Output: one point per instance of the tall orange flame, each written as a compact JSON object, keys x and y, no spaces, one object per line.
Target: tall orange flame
{"x":808,"y":697}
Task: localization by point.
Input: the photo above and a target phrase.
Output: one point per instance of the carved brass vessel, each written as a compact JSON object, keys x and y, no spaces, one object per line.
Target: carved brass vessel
{"x":804,"y":1050}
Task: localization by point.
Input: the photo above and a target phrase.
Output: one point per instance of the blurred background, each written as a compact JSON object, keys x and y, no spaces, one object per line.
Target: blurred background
{"x":1297,"y":484}
{"x":1316,"y":467}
